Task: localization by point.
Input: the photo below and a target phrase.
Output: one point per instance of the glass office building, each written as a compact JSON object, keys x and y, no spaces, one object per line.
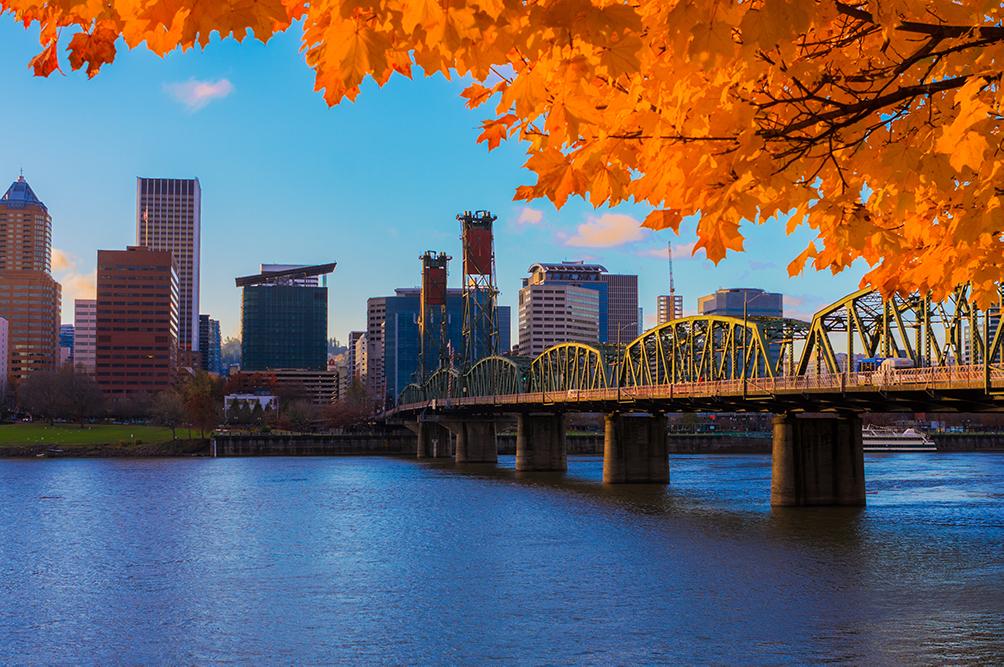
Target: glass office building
{"x":284,"y":323}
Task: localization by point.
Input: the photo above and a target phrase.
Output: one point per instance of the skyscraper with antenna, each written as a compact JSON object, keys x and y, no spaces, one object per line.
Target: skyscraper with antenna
{"x":669,"y":307}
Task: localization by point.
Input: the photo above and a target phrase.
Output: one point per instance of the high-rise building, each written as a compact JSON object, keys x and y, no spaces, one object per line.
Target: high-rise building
{"x":29,"y":297}
{"x":742,"y":301}
{"x":4,"y":356}
{"x":210,"y":345}
{"x":616,"y":299}
{"x":392,"y":338}
{"x":284,"y":323}
{"x":353,"y":353}
{"x":66,"y":336}
{"x":65,"y":344}
{"x":360,"y":348}
{"x":137,"y":320}
{"x":169,"y":218}
{"x":376,"y":323}
{"x":668,"y":308}
{"x":557,"y":313}
{"x":85,"y":324}
{"x":622,"y":308}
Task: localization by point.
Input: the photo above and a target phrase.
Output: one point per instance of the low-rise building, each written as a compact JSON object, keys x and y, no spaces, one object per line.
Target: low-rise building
{"x":317,"y":387}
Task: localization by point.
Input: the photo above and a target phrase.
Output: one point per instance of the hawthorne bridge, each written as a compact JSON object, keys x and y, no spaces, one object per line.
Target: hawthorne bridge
{"x":911,"y":354}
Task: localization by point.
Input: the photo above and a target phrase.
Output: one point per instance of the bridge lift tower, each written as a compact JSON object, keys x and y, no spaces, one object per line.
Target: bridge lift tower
{"x":432,"y":311}
{"x":480,"y":290}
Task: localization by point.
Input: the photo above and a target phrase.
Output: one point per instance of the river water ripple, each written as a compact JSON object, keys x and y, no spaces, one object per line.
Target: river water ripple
{"x":324,"y":560}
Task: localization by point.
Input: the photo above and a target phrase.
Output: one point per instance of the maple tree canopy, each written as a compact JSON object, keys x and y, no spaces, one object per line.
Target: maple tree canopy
{"x":877,"y":122}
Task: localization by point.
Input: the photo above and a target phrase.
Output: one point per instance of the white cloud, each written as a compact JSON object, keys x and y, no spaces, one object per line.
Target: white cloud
{"x":62,"y":261}
{"x":529,"y":216}
{"x":75,"y":284}
{"x":802,"y":306}
{"x":78,"y":286}
{"x":680,"y":251}
{"x":607,"y":231}
{"x":195,"y":94}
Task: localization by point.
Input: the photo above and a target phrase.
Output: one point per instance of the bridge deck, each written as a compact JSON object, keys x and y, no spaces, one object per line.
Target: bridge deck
{"x":936,"y":389}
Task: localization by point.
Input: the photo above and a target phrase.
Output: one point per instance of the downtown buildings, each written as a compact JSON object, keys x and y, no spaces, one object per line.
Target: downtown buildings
{"x":284,"y":318}
{"x":210,"y":344}
{"x":284,"y":331}
{"x":169,"y":218}
{"x":576,"y":302}
{"x":29,"y":297}
{"x":85,"y":331}
{"x":390,"y":346}
{"x":137,"y":320}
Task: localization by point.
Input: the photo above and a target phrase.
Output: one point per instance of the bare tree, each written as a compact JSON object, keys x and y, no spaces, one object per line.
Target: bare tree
{"x":169,"y":411}
{"x":40,"y":396}
{"x":80,"y":396}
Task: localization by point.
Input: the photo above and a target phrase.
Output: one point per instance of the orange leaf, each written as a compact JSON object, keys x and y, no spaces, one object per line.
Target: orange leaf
{"x":95,"y":49}
{"x":46,"y":62}
{"x":494,"y":131}
{"x":476,"y":95}
{"x":797,"y":265}
{"x":669,"y":218}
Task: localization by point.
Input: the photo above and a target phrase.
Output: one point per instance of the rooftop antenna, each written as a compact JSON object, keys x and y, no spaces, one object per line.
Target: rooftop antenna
{"x":672,"y":285}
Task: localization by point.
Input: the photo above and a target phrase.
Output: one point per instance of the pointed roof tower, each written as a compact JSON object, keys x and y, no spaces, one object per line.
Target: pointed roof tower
{"x":20,"y":195}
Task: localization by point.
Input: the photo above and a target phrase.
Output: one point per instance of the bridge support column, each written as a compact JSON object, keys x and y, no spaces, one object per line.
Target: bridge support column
{"x":540,"y":443}
{"x":634,"y":449}
{"x":817,"y":461}
{"x":475,"y":440}
{"x":433,"y":441}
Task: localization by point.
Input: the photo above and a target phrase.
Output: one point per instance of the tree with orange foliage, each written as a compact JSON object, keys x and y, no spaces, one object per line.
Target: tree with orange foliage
{"x":875,"y":122}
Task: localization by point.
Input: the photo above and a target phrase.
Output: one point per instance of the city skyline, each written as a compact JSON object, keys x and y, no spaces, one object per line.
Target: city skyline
{"x":348,"y":175}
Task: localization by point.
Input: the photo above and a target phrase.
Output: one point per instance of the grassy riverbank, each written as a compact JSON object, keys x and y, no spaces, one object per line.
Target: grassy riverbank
{"x":98,"y":440}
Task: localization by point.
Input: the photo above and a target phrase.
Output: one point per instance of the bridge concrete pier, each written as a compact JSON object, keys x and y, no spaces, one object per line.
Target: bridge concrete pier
{"x":475,"y":440}
{"x":540,"y":443}
{"x":635,"y":449}
{"x":433,"y":441}
{"x":817,"y":460}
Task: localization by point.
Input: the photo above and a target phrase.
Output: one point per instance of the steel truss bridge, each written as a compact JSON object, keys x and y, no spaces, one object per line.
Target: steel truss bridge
{"x":952,"y":354}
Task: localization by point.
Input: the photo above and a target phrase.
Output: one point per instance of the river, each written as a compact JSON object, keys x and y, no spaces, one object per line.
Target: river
{"x":321,"y":560}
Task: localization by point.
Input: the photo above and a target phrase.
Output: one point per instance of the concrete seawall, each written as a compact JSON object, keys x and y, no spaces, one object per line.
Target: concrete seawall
{"x":314,"y":445}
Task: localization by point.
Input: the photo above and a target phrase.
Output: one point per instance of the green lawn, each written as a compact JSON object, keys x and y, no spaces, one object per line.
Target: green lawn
{"x":67,"y":434}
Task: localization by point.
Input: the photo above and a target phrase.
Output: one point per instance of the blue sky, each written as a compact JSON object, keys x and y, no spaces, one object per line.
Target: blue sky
{"x":369,"y":184}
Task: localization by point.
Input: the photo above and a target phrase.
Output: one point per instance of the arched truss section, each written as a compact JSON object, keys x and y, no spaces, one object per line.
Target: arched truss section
{"x":711,"y":347}
{"x":569,"y":366}
{"x":413,"y":393}
{"x":444,"y":383}
{"x":914,"y":327}
{"x":495,"y":375}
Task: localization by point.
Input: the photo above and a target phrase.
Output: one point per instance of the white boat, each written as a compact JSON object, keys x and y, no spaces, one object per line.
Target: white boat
{"x":879,"y":439}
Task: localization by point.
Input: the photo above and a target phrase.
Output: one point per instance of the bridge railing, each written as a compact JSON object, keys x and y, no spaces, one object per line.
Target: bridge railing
{"x":943,"y":378}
